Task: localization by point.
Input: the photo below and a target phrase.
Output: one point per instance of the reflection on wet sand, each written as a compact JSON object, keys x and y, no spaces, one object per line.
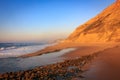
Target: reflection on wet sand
{"x":67,"y":70}
{"x":16,"y":64}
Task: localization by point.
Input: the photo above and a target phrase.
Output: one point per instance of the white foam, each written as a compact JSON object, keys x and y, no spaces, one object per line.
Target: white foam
{"x":2,"y":48}
{"x":14,"y":52}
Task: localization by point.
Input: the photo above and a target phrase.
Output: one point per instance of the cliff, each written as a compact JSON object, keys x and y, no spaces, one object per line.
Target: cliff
{"x":105,"y":27}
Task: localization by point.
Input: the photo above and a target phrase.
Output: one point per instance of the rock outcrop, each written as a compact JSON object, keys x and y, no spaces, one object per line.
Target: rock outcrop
{"x":105,"y":27}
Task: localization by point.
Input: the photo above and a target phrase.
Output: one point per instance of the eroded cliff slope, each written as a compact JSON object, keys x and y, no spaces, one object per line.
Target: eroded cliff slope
{"x":105,"y":27}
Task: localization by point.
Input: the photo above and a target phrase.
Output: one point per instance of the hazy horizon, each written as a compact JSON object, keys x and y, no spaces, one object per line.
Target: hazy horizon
{"x":44,"y":20}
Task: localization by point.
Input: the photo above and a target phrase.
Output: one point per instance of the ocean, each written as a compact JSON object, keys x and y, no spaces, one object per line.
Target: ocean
{"x":17,"y":49}
{"x":10,"y":60}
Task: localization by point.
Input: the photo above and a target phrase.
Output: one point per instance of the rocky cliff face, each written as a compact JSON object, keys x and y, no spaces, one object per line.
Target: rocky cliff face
{"x":105,"y":27}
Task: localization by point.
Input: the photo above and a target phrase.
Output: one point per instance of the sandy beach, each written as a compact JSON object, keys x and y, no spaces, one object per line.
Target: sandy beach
{"x":65,"y":70}
{"x":82,"y":49}
{"x":39,"y":40}
{"x":96,"y":61}
{"x":106,"y":66}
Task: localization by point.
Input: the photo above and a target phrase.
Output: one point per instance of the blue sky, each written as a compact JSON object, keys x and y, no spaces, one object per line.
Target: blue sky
{"x":43,"y":20}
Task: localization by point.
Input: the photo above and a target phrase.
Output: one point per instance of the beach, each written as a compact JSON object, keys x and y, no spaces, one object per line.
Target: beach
{"x":39,"y":40}
{"x":83,"y":54}
{"x":13,"y":64}
{"x":82,"y":48}
{"x":65,"y":70}
{"x":106,"y":66}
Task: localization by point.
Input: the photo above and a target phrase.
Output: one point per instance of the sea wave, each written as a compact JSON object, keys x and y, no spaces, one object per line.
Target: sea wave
{"x":18,"y":51}
{"x":7,"y":48}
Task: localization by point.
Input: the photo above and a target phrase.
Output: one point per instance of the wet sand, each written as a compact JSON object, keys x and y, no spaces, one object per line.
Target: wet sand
{"x":66,"y":70}
{"x":101,"y":67}
{"x":13,"y":64}
{"x":106,"y":66}
{"x":82,"y":49}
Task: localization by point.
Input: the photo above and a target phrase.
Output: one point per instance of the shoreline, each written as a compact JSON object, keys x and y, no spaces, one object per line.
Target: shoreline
{"x":16,"y":64}
{"x":67,"y":69}
{"x":74,"y":62}
{"x":61,"y":46}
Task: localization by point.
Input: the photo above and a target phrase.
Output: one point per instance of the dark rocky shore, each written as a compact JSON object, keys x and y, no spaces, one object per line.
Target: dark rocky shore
{"x":67,"y":70}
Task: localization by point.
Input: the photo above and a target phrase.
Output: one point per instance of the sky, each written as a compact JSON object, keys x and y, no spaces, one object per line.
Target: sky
{"x":45,"y":20}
